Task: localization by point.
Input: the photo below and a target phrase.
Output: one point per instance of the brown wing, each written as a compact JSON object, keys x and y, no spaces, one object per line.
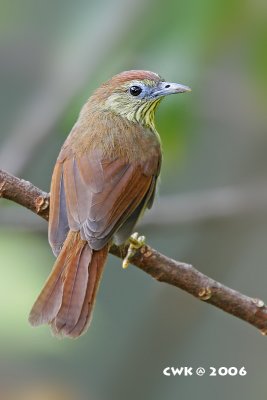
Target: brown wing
{"x":97,"y":196}
{"x":58,"y":226}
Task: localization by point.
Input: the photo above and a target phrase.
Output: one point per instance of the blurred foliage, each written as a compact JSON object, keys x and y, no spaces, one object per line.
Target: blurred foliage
{"x":214,"y":137}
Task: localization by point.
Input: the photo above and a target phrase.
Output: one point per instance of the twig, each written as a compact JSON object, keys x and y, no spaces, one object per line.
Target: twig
{"x":157,"y":265}
{"x":25,"y":194}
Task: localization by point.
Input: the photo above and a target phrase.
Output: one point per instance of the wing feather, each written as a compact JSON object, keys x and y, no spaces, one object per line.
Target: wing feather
{"x":58,"y":219}
{"x":100,"y":195}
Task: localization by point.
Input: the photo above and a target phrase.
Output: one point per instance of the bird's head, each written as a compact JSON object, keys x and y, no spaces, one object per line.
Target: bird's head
{"x":135,"y":95}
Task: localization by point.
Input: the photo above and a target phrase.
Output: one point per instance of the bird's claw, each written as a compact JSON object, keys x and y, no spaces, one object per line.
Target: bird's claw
{"x":136,"y":242}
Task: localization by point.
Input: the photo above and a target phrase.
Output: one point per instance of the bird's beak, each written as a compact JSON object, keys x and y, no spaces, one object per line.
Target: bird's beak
{"x":166,"y":88}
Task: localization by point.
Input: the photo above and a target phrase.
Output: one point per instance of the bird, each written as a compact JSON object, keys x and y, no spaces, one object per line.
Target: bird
{"x":104,"y":179}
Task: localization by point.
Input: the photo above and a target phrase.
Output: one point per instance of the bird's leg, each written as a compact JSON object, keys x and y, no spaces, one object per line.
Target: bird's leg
{"x":136,"y":242}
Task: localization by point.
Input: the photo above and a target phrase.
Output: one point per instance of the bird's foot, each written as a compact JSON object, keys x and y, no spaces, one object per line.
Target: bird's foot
{"x":136,"y":242}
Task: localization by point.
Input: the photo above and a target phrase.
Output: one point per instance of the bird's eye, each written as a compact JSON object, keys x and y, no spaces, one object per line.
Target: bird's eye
{"x":135,"y":90}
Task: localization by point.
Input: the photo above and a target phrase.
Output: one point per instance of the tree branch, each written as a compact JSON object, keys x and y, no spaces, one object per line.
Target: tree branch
{"x":160,"y":267}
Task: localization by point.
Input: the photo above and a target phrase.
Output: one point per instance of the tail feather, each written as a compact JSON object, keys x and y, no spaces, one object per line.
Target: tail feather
{"x":49,"y":300}
{"x":75,"y":285}
{"x":67,"y":299}
{"x":95,"y":272}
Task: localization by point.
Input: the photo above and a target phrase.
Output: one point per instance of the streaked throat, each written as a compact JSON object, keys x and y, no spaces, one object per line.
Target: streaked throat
{"x":145,"y":114}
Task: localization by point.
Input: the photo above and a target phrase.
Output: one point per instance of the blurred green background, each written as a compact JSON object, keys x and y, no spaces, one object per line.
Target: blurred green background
{"x":211,"y":210}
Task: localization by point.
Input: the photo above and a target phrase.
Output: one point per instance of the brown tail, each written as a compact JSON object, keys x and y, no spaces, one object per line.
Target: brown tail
{"x":67,"y":299}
